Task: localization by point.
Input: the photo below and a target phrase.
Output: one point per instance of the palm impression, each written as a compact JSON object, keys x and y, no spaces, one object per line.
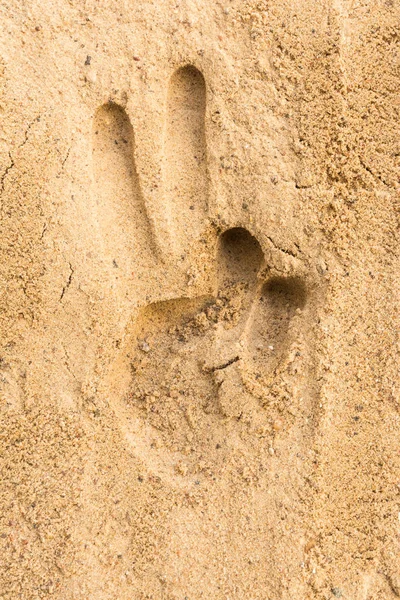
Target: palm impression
{"x":217,"y":355}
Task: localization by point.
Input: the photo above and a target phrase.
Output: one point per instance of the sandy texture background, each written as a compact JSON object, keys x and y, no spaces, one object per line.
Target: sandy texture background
{"x":199,"y":300}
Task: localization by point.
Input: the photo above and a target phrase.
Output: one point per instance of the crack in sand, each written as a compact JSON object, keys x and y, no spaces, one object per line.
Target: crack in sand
{"x":284,"y":250}
{"x":68,"y":283}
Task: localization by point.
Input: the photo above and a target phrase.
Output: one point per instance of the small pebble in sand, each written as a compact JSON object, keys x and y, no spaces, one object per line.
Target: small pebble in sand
{"x":310,"y":545}
{"x":144,"y":346}
{"x":277,"y":424}
{"x":91,"y":76}
{"x":181,"y":468}
{"x":270,"y":347}
{"x":271,"y":451}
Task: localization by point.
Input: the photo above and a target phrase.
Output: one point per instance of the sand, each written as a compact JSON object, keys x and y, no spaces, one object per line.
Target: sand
{"x":199,"y":300}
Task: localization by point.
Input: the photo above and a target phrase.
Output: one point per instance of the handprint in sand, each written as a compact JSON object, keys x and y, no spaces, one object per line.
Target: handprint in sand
{"x":212,"y":387}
